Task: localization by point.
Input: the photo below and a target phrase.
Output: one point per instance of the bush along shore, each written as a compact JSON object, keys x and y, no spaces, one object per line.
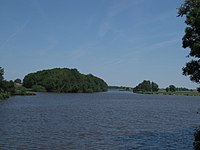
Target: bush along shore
{"x":17,"y":90}
{"x":4,"y":96}
{"x":9,"y":88}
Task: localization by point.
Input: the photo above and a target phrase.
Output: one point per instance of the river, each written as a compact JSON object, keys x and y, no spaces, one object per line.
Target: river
{"x":111,"y":120}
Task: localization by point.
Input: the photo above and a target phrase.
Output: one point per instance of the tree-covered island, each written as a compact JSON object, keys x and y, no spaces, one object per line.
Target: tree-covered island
{"x":64,"y":80}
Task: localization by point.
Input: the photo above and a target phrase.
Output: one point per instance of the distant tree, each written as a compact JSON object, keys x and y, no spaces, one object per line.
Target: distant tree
{"x":146,"y":86}
{"x":18,"y":81}
{"x":191,"y":10}
{"x":172,"y":88}
{"x":8,"y":86}
{"x":1,"y":73}
{"x":167,"y":89}
{"x":182,"y":89}
{"x":154,"y":87}
{"x":1,"y":79}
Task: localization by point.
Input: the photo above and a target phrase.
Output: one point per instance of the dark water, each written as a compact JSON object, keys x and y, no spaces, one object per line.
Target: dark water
{"x":111,"y":120}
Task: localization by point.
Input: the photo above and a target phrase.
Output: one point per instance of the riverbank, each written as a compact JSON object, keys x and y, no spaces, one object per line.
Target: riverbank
{"x":4,"y":96}
{"x":18,"y":91}
{"x":178,"y":93}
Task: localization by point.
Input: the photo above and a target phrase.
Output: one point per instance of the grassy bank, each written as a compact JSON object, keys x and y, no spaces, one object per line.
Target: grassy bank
{"x":19,"y":90}
{"x":182,"y":93}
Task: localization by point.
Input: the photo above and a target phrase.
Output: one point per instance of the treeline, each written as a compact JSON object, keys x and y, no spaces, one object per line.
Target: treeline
{"x":64,"y":80}
{"x":148,"y":87}
{"x":173,"y":88}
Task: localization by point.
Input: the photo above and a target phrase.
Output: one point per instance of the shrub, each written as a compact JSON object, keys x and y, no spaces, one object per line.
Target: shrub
{"x":38,"y":88}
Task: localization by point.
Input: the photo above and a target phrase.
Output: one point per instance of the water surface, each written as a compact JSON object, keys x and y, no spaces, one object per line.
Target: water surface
{"x":111,"y":120}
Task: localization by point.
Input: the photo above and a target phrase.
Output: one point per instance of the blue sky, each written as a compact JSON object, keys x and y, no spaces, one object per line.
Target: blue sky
{"x":122,"y":41}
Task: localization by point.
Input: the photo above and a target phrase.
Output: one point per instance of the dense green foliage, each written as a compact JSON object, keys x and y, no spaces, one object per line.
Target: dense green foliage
{"x":171,"y":88}
{"x":18,"y":81}
{"x":146,"y":86}
{"x":4,"y":96}
{"x":64,"y":80}
{"x":191,"y":10}
{"x":38,"y":88}
{"x":20,"y":90}
{"x":1,"y":73}
{"x":182,"y":89}
{"x":6,"y":87}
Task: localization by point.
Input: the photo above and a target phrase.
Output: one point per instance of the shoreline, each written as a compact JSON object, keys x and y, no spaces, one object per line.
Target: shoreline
{"x":177,"y":93}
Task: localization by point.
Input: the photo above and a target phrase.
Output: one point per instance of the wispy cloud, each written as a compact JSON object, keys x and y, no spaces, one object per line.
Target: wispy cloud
{"x":147,"y":21}
{"x":78,"y":53}
{"x":15,"y":33}
{"x":105,"y":27}
{"x":82,"y":52}
{"x":37,"y":6}
{"x":116,"y":9}
{"x":142,"y":50}
{"x":135,"y":54}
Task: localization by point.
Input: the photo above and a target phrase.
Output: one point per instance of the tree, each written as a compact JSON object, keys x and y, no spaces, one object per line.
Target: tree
{"x":6,"y":87}
{"x":1,"y":79}
{"x":154,"y":87}
{"x":18,"y":81}
{"x":191,"y":10}
{"x":146,"y":86}
{"x":1,"y":73}
{"x":172,"y":88}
